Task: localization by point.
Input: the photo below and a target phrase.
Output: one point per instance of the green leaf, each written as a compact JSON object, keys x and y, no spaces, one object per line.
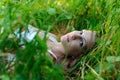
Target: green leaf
{"x":113,"y":59}
{"x":51,"y":11}
{"x":4,"y":77}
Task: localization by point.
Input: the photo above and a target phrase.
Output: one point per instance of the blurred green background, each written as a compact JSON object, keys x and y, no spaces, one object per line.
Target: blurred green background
{"x":60,"y":17}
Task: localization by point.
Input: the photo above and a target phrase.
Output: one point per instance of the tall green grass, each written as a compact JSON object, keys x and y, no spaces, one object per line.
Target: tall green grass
{"x":101,"y":63}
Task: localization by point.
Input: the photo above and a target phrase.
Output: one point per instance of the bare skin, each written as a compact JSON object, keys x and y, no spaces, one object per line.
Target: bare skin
{"x":69,"y":49}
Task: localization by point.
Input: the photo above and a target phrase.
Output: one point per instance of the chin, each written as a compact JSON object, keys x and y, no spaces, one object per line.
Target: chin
{"x":62,"y":39}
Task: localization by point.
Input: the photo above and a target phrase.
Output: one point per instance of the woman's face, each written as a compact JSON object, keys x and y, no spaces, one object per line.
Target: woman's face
{"x":75,"y":41}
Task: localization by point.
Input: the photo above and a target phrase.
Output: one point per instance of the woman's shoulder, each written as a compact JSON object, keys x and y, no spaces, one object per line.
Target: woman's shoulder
{"x":43,"y":33}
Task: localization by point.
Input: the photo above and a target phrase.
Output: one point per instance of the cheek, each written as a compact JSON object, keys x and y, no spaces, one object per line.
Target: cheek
{"x":74,"y":49}
{"x":74,"y":46}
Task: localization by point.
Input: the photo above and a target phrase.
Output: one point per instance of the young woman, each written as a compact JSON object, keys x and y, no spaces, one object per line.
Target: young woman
{"x":71,"y":47}
{"x":69,"y":50}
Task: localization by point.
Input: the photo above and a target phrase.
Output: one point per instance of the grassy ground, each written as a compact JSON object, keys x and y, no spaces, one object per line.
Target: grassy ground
{"x":60,"y":17}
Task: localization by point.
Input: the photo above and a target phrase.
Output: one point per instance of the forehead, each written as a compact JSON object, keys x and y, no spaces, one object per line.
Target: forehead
{"x":84,"y":31}
{"x":87,"y":31}
{"x":75,"y":31}
{"x":90,"y":37}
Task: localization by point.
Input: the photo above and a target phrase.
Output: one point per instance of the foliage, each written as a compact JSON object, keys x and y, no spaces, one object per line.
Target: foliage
{"x":55,"y":15}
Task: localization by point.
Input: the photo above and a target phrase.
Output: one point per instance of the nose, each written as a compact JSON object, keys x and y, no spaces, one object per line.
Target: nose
{"x":74,"y":37}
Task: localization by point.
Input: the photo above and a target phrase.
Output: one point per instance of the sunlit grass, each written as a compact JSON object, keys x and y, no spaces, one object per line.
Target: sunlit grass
{"x":60,"y":17}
